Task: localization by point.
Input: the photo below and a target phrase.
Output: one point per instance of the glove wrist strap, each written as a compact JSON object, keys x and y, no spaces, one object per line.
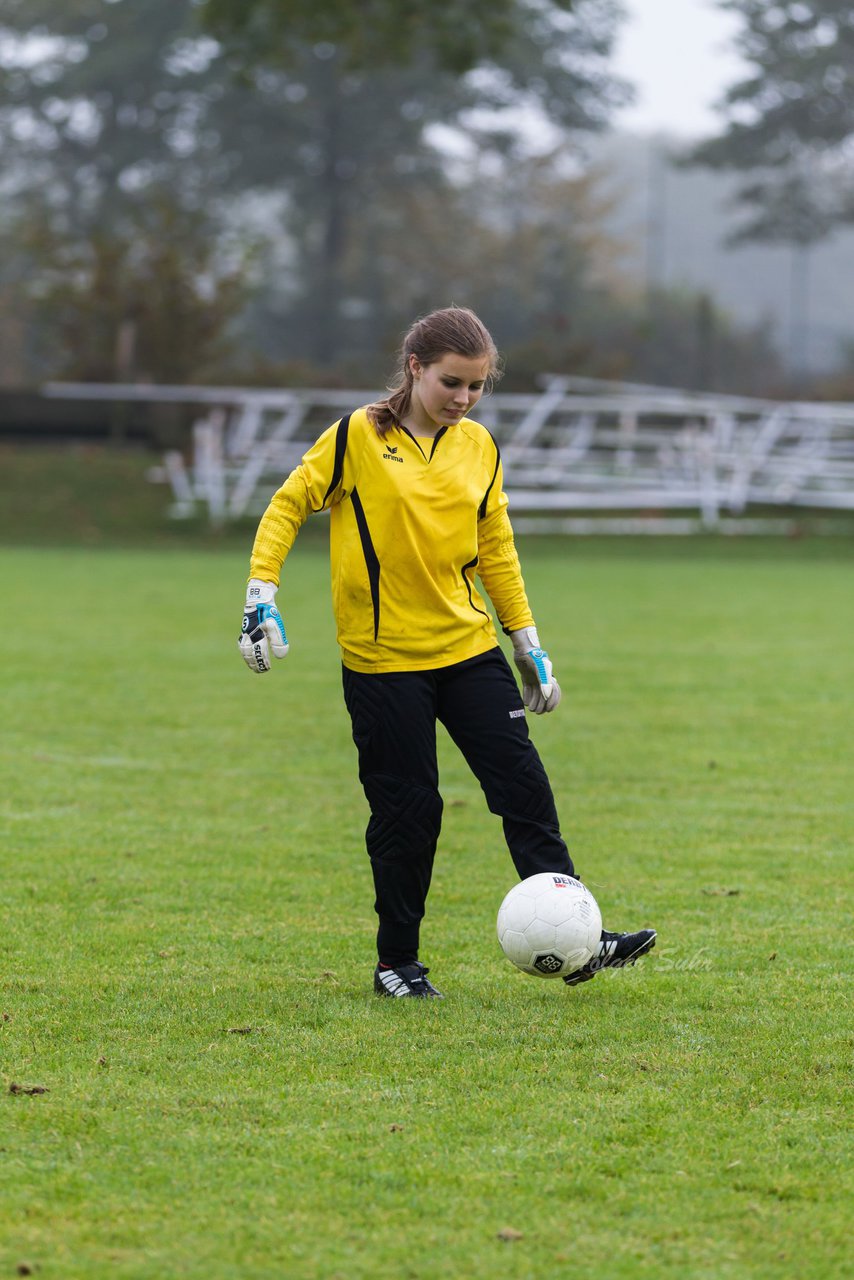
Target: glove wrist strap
{"x":260,"y":592}
{"x":525,"y":639}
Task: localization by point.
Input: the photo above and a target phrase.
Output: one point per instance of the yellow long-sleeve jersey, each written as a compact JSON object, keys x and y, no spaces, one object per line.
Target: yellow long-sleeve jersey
{"x":411,"y":522}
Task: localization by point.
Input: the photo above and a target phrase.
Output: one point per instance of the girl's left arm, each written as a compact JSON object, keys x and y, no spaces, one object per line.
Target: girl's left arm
{"x":498,"y":562}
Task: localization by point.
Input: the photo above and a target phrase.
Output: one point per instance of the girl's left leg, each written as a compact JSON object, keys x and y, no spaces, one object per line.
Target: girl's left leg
{"x":480,"y":705}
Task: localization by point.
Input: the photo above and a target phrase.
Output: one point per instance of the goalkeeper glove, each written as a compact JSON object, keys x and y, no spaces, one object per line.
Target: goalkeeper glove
{"x":540,"y":690}
{"x":263,"y":628}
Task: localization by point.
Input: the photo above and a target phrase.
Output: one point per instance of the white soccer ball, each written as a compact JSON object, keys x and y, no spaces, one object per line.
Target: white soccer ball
{"x":549,"y":925}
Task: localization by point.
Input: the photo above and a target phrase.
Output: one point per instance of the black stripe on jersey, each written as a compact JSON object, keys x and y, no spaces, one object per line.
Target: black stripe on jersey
{"x":371,"y":561}
{"x":481,"y":511}
{"x":413,"y":439}
{"x":471,"y":565}
{"x":437,"y":437}
{"x":340,"y":450}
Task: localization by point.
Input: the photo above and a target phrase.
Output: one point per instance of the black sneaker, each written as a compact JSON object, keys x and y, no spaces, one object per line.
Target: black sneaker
{"x":616,"y":950}
{"x":407,"y":980}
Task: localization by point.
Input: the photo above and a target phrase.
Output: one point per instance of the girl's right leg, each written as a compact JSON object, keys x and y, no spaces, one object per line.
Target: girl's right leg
{"x":394,"y":728}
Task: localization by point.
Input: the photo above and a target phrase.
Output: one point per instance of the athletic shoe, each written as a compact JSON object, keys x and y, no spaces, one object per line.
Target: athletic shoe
{"x":616,"y":950}
{"x":407,"y":980}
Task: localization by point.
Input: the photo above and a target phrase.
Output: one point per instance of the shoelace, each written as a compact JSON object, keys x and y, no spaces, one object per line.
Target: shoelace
{"x":420,"y":983}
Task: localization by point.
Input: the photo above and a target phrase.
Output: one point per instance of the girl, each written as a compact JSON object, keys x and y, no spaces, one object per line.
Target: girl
{"x":417,"y":507}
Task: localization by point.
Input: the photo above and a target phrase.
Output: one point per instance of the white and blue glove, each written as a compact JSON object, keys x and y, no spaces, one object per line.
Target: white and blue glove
{"x":540,"y":690}
{"x":263,"y":628}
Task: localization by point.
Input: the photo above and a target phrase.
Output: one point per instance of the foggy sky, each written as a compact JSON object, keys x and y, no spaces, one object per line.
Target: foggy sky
{"x":679,"y":55}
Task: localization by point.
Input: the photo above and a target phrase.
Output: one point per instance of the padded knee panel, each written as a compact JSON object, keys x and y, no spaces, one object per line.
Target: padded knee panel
{"x":405,"y":818}
{"x":525,"y":795}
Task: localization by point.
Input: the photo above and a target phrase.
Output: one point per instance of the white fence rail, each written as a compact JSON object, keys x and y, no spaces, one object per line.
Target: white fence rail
{"x":581,"y":446}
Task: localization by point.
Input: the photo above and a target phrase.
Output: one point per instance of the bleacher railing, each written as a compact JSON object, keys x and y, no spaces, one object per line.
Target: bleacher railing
{"x":581,"y":453}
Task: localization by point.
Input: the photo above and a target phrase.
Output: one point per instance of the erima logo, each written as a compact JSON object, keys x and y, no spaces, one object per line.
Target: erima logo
{"x":390,"y":454}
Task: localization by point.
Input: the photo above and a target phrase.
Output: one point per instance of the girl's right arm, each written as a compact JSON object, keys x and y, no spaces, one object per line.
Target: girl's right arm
{"x":312,"y":486}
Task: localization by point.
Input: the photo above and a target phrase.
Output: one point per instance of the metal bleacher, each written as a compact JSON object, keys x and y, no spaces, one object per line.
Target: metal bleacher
{"x":580,"y":456}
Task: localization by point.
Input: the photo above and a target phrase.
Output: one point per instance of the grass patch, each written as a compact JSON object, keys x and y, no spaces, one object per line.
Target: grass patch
{"x":187,"y":939}
{"x":93,"y":495}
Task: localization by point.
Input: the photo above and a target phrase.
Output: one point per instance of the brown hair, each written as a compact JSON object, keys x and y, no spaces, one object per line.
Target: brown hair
{"x":453,"y":329}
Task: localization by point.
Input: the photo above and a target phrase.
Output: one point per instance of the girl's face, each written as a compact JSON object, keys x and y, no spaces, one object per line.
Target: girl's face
{"x":445,"y":391}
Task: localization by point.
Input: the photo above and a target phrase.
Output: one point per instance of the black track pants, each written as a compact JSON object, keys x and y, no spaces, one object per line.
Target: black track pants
{"x":394,"y":727}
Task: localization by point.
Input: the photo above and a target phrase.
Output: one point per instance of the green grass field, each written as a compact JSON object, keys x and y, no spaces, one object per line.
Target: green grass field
{"x":186,"y":940}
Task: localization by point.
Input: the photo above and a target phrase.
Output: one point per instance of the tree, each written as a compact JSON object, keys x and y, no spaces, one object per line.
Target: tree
{"x":113,"y":109}
{"x":369,"y":85}
{"x":151,"y":307}
{"x":457,"y":33}
{"x":696,"y":344}
{"x":793,"y":115}
{"x":789,"y":123}
{"x":102,"y":103}
{"x":550,"y":55}
{"x":535,"y":246}
{"x":801,"y":94}
{"x":788,"y":209}
{"x":116,"y":146}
